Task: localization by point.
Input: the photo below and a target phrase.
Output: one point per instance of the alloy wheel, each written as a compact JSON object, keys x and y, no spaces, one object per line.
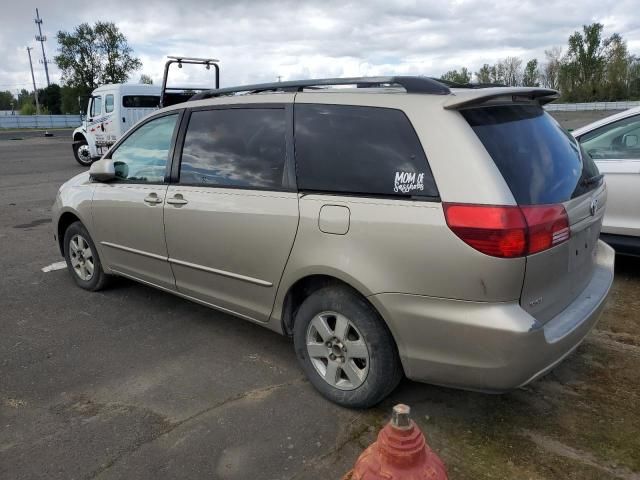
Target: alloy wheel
{"x":81,"y":257}
{"x":337,"y":350}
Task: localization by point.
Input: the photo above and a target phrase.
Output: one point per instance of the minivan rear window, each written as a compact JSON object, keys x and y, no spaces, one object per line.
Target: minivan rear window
{"x":140,"y":101}
{"x":540,"y":161}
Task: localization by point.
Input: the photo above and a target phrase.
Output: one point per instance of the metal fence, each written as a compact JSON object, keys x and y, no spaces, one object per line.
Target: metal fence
{"x":39,"y":121}
{"x":577,"y":107}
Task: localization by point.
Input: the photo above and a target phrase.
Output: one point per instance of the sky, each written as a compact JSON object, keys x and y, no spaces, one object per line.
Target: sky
{"x":257,"y":41}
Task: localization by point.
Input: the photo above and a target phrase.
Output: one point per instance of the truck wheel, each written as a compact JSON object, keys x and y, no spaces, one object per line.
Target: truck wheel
{"x":82,"y":153}
{"x":345,"y":348}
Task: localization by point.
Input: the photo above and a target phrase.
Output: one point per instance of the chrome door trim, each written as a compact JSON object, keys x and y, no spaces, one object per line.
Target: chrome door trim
{"x":224,"y":273}
{"x":188,"y":297}
{"x":133,"y":250}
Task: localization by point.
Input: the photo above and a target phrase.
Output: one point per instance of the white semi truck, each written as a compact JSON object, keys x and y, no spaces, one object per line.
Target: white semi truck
{"x":114,"y":108}
{"x":111,"y":111}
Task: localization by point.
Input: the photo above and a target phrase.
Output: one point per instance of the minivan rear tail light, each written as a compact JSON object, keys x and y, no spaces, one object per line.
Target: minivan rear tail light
{"x":508,"y":231}
{"x":548,"y":226}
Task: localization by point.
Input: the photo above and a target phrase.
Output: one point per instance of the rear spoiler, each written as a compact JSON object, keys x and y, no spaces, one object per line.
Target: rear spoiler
{"x":471,"y":98}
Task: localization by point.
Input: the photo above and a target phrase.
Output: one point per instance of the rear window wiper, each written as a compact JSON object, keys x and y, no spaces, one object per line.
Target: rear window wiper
{"x":591,"y":180}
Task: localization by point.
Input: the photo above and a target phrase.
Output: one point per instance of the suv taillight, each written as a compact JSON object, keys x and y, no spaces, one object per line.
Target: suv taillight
{"x":508,"y":231}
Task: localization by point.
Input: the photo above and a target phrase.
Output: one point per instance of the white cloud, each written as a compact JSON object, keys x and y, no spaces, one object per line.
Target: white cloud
{"x":259,"y":40}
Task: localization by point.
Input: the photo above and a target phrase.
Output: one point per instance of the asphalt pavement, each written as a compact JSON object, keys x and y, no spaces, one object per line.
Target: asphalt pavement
{"x":132,"y":382}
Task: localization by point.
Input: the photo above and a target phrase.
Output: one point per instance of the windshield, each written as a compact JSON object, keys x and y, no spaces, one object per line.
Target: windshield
{"x":540,"y":161}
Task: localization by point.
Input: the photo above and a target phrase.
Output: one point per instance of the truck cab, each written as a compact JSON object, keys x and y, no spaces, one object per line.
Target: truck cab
{"x":112,"y":109}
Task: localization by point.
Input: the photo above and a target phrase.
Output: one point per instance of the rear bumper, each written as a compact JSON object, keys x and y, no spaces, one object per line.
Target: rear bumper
{"x":489,"y":346}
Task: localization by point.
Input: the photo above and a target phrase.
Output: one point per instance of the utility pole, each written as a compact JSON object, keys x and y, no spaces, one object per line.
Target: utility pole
{"x":42,"y":38}
{"x":33,"y":78}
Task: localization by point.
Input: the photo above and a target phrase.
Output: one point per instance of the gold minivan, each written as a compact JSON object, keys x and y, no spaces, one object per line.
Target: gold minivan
{"x":401,"y":227}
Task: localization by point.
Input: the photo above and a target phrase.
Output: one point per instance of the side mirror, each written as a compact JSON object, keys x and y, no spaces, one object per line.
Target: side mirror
{"x":630,"y":140}
{"x":103,"y":170}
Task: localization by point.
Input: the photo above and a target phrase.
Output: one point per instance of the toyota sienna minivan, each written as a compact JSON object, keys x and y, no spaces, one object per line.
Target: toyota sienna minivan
{"x":398,"y":227}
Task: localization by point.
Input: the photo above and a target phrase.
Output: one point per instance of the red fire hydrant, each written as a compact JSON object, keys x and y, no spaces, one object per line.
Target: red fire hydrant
{"x":400,"y":453}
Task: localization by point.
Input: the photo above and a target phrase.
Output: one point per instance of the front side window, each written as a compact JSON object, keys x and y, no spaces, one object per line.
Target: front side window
{"x":360,"y":150}
{"x":239,"y":147}
{"x":108,"y":103}
{"x":618,"y":140}
{"x":142,"y":157}
{"x":96,"y":106}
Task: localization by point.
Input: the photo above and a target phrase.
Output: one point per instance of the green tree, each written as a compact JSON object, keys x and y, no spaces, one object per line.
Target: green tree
{"x":7,"y":100}
{"x":496,"y":73}
{"x":583,"y":69}
{"x":634,"y":78}
{"x":25,"y":97}
{"x":145,"y":79}
{"x":91,"y":56}
{"x":617,"y":66}
{"x":531,"y":74}
{"x":484,"y":74}
{"x":50,"y":98}
{"x":462,"y":77}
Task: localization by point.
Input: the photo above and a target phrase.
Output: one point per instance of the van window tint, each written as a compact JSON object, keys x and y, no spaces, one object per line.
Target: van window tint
{"x":108,"y":103}
{"x":361,"y":150}
{"x":141,"y":101}
{"x":235,"y":148}
{"x":539,"y":160}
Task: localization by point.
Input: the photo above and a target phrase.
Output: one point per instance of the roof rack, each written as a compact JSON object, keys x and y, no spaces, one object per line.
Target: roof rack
{"x":410,"y":84}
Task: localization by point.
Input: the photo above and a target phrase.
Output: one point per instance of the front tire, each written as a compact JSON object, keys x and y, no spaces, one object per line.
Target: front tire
{"x":345,"y":348}
{"x":82,"y":258}
{"x":82,"y":153}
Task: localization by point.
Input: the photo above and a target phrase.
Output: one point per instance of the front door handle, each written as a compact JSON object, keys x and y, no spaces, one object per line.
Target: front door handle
{"x":152,"y":199}
{"x":177,"y":199}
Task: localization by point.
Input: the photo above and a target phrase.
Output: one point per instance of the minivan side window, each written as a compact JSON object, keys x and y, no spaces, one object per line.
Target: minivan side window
{"x":142,"y":157}
{"x":96,"y":106}
{"x":108,"y":103}
{"x":360,"y":150}
{"x":236,"y":147}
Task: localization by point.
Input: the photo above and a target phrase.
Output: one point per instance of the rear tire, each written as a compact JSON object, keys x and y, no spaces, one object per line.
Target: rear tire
{"x":82,"y":153}
{"x":82,"y":258}
{"x":345,"y":348}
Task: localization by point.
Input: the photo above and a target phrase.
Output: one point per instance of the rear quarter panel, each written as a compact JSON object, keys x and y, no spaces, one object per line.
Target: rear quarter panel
{"x":396,"y":246}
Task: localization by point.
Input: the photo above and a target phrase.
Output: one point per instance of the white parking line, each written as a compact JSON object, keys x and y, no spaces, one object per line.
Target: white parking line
{"x":55,"y":266}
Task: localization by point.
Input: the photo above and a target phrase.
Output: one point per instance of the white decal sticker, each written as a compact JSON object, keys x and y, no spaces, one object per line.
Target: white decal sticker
{"x":406,"y":182}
